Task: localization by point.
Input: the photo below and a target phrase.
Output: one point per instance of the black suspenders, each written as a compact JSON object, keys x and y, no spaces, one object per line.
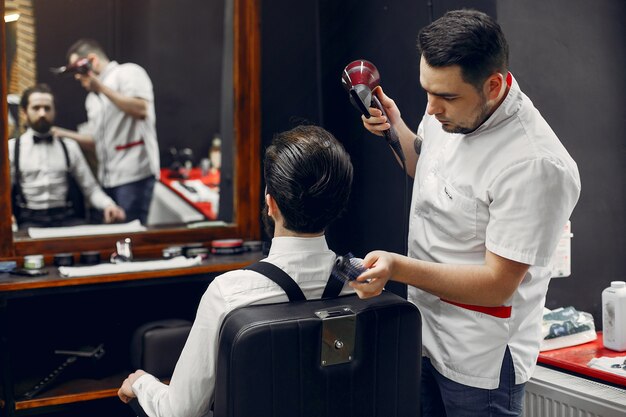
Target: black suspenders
{"x":19,"y":197}
{"x":294,"y":293}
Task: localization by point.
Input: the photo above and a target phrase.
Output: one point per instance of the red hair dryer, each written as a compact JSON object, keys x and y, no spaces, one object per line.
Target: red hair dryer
{"x":360,"y":78}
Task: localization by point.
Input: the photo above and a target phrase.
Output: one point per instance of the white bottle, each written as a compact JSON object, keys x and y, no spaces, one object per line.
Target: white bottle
{"x":614,"y":316}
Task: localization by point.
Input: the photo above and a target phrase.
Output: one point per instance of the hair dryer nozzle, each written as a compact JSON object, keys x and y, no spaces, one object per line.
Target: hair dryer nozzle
{"x":360,"y":72}
{"x":81,"y":66}
{"x":359,"y":78}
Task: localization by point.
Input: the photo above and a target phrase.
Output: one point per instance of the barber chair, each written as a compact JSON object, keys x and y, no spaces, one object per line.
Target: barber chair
{"x":338,"y":356}
{"x":334,"y":357}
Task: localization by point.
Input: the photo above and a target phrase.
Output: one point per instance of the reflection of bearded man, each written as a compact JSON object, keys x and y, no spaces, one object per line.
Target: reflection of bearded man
{"x":41,"y":125}
{"x":39,"y":111}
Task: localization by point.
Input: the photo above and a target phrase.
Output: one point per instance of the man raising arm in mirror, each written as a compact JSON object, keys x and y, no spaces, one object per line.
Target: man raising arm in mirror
{"x":121,"y":126}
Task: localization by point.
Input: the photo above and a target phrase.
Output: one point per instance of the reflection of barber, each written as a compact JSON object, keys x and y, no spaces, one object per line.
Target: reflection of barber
{"x":41,"y":167}
{"x":121,"y":126}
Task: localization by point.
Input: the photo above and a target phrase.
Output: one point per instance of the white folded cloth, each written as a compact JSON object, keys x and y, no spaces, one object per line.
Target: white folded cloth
{"x":105,"y":269}
{"x":610,"y":364}
{"x":201,"y":192}
{"x":87,"y":229}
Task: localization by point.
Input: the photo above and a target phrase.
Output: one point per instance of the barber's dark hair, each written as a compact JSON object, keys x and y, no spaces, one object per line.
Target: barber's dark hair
{"x":39,"y":88}
{"x":468,"y":38}
{"x":309,"y":175}
{"x":85,"y":46}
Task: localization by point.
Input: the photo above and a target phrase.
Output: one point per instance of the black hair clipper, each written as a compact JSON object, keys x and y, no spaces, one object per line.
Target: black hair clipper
{"x":347,"y":267}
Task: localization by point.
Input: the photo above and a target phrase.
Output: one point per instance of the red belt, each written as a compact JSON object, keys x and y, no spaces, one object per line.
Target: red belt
{"x":129,"y":145}
{"x":503,"y":312}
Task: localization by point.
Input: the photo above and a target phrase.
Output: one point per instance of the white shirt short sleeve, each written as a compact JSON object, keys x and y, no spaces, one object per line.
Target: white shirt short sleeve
{"x":527,"y":204}
{"x":507,"y":187}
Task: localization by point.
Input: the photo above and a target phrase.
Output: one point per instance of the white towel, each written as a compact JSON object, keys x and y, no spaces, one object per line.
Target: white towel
{"x":106,"y":269}
{"x":86,"y":229}
{"x":606,"y":364}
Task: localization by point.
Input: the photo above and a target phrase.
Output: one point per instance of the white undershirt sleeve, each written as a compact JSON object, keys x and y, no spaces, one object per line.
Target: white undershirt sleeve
{"x":191,"y":388}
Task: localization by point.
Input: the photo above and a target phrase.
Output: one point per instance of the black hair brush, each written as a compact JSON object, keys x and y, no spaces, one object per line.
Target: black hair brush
{"x":347,"y":267}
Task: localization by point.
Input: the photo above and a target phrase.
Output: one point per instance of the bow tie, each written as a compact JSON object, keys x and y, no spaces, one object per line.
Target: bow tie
{"x":43,"y":139}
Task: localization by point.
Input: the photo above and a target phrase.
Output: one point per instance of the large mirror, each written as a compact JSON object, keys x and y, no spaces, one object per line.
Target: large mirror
{"x":202,"y":58}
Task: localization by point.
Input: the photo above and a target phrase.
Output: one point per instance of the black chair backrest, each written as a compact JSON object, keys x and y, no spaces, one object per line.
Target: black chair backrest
{"x":271,"y":363}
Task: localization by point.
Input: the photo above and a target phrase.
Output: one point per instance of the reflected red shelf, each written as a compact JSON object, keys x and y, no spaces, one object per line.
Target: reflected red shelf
{"x":212,"y":180}
{"x":575,"y":359}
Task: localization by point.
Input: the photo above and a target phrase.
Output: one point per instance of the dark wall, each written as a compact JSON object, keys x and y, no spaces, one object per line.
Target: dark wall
{"x":568,"y":56}
{"x":305,"y":47}
{"x":383,"y":33}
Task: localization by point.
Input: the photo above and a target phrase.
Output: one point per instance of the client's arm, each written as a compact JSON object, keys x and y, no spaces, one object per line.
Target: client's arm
{"x":89,"y":186}
{"x":191,"y":388}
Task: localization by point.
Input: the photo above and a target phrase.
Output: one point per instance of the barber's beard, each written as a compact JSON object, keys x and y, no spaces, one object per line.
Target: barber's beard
{"x":268,"y":222}
{"x":482,"y":116}
{"x":41,"y":125}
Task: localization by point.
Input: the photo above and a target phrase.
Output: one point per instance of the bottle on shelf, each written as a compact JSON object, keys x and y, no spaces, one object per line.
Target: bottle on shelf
{"x":614,"y":316}
{"x":215,"y":152}
{"x":186,"y":156}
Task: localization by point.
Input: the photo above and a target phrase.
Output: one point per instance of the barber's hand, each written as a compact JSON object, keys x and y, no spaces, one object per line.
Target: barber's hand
{"x":114,"y":213}
{"x":90,"y":81}
{"x":125,"y":393}
{"x":371,"y":283}
{"x":377,"y":123}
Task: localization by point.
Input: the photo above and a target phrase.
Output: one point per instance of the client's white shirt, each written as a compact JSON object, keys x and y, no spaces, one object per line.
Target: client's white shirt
{"x":190,"y":392}
{"x":43,"y":169}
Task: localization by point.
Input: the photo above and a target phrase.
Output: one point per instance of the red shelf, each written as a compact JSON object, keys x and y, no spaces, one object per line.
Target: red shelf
{"x":575,"y":359}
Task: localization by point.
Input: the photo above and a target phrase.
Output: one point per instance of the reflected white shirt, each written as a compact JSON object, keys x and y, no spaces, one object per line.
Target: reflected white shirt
{"x":190,"y":392}
{"x":509,"y":187}
{"x":126,"y":147}
{"x":43,"y":170}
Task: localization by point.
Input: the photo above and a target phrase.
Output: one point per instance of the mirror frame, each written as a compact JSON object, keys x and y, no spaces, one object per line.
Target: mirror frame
{"x":247,"y":176}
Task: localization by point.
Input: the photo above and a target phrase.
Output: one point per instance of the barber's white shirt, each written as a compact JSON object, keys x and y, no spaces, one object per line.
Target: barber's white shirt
{"x":43,"y":169}
{"x":190,"y":392}
{"x":509,"y":187}
{"x":127,"y":148}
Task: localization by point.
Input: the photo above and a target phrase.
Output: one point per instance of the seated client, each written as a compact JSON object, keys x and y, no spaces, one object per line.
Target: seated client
{"x":308,"y":176}
{"x":43,"y":167}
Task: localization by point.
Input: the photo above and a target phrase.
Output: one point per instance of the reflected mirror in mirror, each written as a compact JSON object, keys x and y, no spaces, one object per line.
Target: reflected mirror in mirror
{"x":185,"y":47}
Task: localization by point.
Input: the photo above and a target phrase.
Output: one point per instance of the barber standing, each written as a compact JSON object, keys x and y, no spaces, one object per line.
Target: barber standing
{"x":493,"y":190}
{"x":121,"y":126}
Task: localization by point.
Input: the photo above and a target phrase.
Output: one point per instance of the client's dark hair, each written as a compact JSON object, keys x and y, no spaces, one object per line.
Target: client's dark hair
{"x":309,"y":175}
{"x":39,"y":88}
{"x":469,"y":39}
{"x":85,"y":46}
